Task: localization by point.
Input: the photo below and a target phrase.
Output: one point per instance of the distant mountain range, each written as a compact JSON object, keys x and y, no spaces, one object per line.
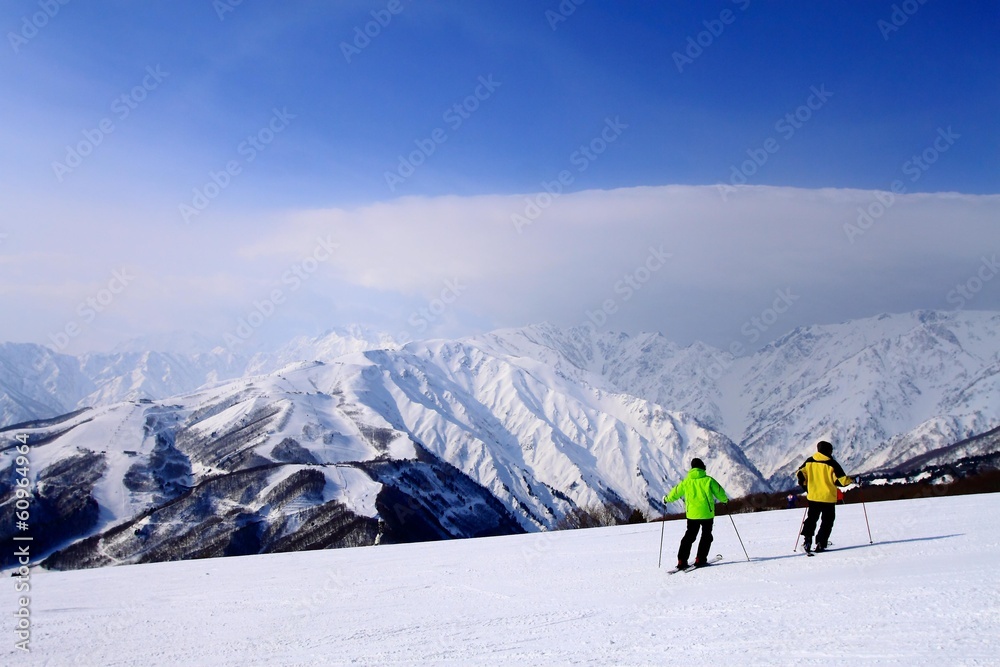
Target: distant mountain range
{"x":37,"y":383}
{"x":352,"y":438}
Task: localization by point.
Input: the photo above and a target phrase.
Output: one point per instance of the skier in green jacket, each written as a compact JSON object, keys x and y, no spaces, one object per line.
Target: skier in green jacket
{"x":699,"y":492}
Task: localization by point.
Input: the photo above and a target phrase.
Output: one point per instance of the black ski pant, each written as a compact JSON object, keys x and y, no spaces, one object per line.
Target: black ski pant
{"x":826,"y":513}
{"x":689,"y":536}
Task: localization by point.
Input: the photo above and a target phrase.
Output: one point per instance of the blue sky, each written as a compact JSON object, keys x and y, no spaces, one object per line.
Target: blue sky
{"x":311,"y":122}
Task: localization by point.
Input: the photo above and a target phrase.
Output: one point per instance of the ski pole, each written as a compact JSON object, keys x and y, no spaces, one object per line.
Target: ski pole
{"x":865,"y":510}
{"x":799,"y":534}
{"x":739,"y":538}
{"x":659,"y":559}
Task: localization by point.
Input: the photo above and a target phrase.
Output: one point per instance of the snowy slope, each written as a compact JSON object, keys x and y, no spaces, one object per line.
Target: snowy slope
{"x":923,"y":594}
{"x":646,"y":365}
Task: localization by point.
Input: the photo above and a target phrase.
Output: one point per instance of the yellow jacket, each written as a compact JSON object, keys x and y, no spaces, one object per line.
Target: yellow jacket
{"x":821,"y":476}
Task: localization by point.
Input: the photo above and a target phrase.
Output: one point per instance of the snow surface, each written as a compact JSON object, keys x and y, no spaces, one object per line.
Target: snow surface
{"x":926,"y":593}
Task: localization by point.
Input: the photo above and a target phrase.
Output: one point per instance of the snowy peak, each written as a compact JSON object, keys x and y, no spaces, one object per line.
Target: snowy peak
{"x":326,"y":347}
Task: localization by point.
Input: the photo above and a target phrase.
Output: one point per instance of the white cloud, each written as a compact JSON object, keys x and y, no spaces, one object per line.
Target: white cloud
{"x":728,"y":255}
{"x":450,"y":265}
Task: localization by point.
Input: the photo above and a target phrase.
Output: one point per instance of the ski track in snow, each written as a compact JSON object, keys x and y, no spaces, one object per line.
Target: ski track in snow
{"x":926,"y":593}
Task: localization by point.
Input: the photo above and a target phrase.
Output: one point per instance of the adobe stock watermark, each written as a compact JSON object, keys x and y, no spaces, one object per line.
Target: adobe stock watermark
{"x":758,"y":325}
{"x":562,"y":12}
{"x":122,"y":107}
{"x":753,"y":329}
{"x":33,"y":24}
{"x":898,"y":17}
{"x":581,"y":159}
{"x":966,"y":291}
{"x":786,"y":127}
{"x":246,"y":152}
{"x":292,"y":280}
{"x":422,"y":318}
{"x":915,"y":168}
{"x":333,"y":588}
{"x":454,"y":117}
{"x":538,"y":546}
{"x":88,"y":310}
{"x":364,"y":34}
{"x":23,"y":498}
{"x":699,"y":42}
{"x":627,"y":287}
{"x":223,"y":7}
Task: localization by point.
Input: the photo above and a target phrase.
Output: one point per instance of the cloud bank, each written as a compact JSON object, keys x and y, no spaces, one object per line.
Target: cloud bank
{"x":722,"y":265}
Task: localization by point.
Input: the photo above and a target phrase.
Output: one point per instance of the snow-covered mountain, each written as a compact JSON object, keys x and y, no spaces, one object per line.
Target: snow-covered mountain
{"x":882,"y":389}
{"x":326,"y":347}
{"x":37,"y":383}
{"x":503,"y":432}
{"x":434,"y":439}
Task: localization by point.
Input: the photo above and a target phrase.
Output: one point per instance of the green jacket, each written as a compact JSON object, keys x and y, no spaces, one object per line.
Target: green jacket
{"x":699,"y":492}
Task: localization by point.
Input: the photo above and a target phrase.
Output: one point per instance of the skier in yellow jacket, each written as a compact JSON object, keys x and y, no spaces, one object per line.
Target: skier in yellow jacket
{"x":699,"y":492}
{"x":821,"y":476}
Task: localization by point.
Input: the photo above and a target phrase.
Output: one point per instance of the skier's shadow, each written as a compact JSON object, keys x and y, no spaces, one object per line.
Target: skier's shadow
{"x":798,"y":554}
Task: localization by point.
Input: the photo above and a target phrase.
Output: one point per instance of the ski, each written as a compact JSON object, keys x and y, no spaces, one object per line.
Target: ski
{"x":812,"y":552}
{"x":689,"y":568}
{"x":714,"y":559}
